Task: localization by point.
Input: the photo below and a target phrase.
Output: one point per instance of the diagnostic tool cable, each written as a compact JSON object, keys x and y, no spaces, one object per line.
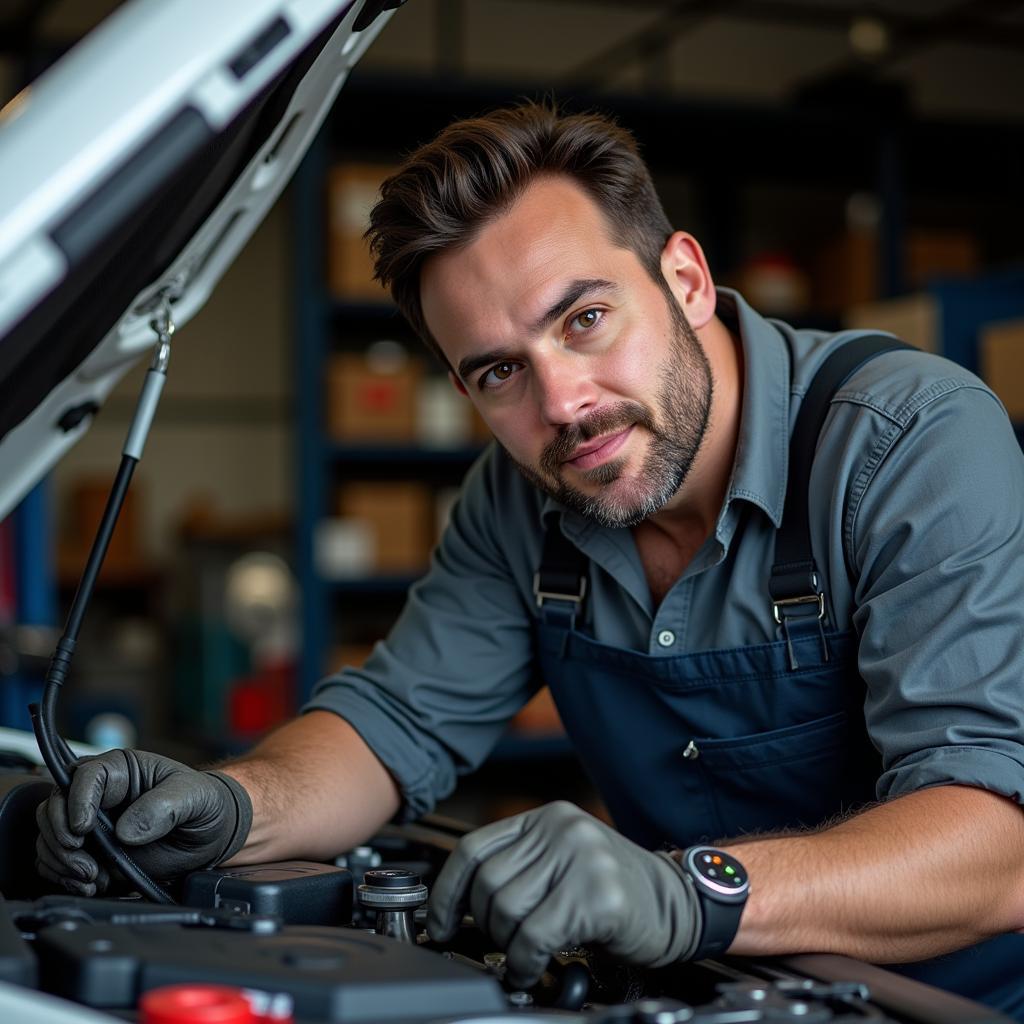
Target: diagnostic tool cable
{"x":55,"y":752}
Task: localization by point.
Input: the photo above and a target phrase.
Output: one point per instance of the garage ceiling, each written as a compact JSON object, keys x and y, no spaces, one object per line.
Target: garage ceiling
{"x":958,"y":58}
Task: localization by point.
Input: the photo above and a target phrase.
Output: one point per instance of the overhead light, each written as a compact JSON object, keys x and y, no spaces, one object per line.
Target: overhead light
{"x":869,"y":37}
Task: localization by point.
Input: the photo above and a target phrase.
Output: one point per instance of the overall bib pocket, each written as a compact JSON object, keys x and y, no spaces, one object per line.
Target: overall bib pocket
{"x":785,"y":778}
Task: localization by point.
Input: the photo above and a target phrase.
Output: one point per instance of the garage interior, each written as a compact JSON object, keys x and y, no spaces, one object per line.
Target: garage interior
{"x":843,"y":165}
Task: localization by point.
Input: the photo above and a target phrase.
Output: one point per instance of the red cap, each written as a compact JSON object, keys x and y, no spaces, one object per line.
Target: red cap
{"x":195,"y":1004}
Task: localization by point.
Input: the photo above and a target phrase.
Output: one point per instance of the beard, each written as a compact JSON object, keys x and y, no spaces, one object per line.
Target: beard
{"x":676,"y":425}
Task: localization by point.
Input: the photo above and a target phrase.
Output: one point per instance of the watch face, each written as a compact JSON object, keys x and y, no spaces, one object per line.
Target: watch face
{"x":719,"y":875}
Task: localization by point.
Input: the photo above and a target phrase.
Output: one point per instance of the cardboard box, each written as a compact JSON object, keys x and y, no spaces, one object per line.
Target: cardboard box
{"x":936,"y":254}
{"x":352,"y":190}
{"x":367,"y":404}
{"x":914,"y":318}
{"x":1001,"y":362}
{"x":400,"y":517}
{"x":87,"y":501}
{"x":847,"y":271}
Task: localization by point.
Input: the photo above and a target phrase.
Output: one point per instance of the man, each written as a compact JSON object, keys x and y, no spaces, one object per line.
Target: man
{"x":618,"y":542}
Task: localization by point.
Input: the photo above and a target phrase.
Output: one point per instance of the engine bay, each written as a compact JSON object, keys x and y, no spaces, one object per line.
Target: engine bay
{"x":345,"y":942}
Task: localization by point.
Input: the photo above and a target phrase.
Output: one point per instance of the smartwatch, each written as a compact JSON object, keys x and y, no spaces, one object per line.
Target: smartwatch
{"x":722,"y":885}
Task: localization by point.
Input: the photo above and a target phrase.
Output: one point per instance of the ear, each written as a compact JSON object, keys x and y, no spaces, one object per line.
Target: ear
{"x":457,"y":384}
{"x":686,"y":271}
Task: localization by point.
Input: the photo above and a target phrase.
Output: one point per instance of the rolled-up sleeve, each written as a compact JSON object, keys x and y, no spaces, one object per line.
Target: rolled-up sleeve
{"x":938,"y":542}
{"x":434,"y":697}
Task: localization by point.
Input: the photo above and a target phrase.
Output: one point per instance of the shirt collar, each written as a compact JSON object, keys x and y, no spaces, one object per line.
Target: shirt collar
{"x":762,"y":449}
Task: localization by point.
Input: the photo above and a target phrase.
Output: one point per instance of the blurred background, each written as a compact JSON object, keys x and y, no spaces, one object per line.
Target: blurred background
{"x":842,"y":164}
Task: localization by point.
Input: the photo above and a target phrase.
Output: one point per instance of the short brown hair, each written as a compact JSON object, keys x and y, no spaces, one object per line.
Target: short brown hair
{"x":474,"y":171}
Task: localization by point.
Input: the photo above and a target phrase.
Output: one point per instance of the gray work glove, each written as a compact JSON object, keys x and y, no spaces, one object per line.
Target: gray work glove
{"x":555,"y":877}
{"x":172,"y":818}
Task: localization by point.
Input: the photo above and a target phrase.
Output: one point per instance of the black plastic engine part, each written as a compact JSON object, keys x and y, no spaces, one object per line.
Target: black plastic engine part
{"x":17,"y":964}
{"x":20,"y":794}
{"x":297,"y":891}
{"x":32,"y":916}
{"x":332,"y":974}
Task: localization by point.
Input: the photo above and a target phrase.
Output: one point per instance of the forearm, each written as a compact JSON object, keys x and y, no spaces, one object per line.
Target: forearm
{"x":316,"y":789}
{"x":930,"y":872}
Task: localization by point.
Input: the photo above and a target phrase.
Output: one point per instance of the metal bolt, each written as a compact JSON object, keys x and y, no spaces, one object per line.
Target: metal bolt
{"x":661,"y":1011}
{"x":495,"y":961}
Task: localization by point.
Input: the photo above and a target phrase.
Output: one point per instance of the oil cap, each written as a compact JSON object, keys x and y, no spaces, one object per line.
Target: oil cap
{"x":392,"y":889}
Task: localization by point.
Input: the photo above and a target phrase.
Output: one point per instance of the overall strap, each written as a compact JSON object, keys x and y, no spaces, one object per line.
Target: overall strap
{"x":560,"y":583}
{"x":798,"y":602}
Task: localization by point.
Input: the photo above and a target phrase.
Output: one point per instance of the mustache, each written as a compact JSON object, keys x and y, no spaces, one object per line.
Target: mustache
{"x":608,"y":420}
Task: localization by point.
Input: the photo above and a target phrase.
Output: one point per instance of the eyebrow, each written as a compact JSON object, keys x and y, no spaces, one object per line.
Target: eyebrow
{"x":575,"y":291}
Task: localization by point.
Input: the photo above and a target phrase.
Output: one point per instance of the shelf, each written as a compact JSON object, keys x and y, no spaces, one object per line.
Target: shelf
{"x":364,"y":310}
{"x":402,"y":454}
{"x":751,"y":142}
{"x":382,"y":584}
{"x":864,"y":147}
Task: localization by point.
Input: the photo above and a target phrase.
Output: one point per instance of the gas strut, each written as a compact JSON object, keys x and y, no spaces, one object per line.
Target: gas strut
{"x":55,"y":752}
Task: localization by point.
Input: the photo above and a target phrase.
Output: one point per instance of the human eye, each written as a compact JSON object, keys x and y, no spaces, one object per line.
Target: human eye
{"x":586,"y":320}
{"x":497,"y":375}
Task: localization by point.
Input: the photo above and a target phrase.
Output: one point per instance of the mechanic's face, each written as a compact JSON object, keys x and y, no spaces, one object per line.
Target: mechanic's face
{"x":587,"y":371}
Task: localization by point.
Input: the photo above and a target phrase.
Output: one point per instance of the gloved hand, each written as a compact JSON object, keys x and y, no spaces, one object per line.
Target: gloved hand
{"x":173,"y":818}
{"x":556,"y":877}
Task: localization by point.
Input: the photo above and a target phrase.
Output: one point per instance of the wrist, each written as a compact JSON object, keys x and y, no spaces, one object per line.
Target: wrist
{"x":239,"y":800}
{"x":686,"y":920}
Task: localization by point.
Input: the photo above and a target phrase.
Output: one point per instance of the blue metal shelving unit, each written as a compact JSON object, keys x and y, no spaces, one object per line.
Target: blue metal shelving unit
{"x":311,"y":313}
{"x":319,"y":459}
{"x":36,"y":595}
{"x":854,"y":149}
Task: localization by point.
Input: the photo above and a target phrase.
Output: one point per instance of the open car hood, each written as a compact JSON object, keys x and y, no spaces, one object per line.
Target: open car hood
{"x":132,"y":172}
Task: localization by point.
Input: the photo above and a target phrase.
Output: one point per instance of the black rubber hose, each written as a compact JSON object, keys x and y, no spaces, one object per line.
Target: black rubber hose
{"x":103,"y":834}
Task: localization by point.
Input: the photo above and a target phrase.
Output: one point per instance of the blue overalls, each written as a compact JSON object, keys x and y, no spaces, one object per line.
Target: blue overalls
{"x":714,"y":744}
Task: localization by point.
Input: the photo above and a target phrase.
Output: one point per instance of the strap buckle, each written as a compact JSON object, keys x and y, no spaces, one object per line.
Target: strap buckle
{"x":795,"y":615}
{"x":779,"y":606}
{"x":552,"y":595}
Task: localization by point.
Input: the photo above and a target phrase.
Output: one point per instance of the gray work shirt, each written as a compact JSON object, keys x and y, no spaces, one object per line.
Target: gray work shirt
{"x":917,"y":517}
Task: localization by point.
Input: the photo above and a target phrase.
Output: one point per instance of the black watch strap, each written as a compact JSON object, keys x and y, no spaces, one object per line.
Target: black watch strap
{"x":721,"y":885}
{"x":720,"y":927}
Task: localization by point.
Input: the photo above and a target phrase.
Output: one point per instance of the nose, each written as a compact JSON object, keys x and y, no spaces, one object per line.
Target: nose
{"x":563,"y":387}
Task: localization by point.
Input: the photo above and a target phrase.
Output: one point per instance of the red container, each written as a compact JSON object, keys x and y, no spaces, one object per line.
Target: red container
{"x":195,"y":1004}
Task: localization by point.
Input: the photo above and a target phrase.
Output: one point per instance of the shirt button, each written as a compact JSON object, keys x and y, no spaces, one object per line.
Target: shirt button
{"x":666,"y":638}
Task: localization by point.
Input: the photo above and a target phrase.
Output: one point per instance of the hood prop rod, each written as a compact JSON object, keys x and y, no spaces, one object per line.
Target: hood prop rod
{"x":56,"y":754}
